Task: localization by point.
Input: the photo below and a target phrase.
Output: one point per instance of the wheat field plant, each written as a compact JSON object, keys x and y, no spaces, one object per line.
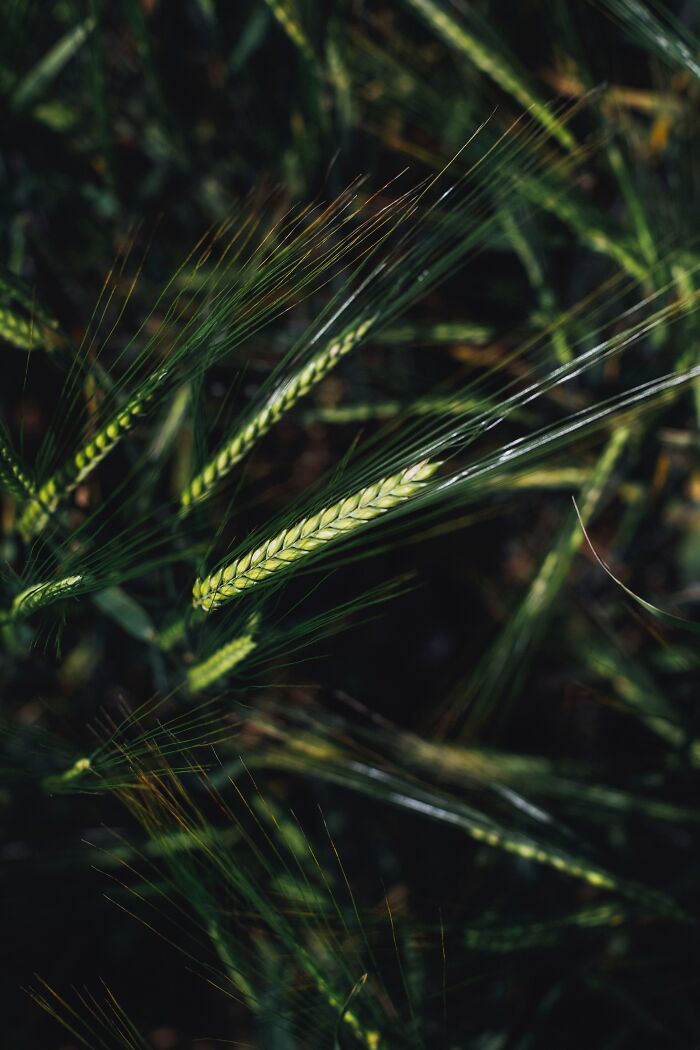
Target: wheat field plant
{"x":349,"y":524}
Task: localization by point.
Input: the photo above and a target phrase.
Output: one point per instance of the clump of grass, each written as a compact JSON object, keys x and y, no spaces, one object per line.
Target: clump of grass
{"x":24,"y":322}
{"x":527,"y":312}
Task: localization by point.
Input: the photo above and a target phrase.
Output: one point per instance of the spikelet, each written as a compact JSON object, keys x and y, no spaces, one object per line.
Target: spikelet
{"x":18,"y":331}
{"x":80,"y":465}
{"x":13,"y":478}
{"x":26,"y":334}
{"x":24,"y":323}
{"x":42,"y":594}
{"x":200,"y":676}
{"x":309,"y":535}
{"x":172,"y":635}
{"x":80,"y":766}
{"x":278,"y":403}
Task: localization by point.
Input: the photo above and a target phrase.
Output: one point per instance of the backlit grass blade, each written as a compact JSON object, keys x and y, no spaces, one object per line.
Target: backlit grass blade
{"x":493,"y":65}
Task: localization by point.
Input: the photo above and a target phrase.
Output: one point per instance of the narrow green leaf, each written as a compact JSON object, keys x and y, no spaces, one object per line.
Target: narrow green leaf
{"x":47,"y":69}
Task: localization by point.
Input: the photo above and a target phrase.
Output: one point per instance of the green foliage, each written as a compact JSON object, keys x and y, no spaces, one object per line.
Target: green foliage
{"x":430,"y":779}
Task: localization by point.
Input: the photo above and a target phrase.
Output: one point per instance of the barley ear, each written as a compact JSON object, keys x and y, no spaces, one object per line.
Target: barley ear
{"x":310,"y":535}
{"x":40,"y":594}
{"x":172,"y":634}
{"x":18,"y":331}
{"x":57,"y":489}
{"x":200,"y":676}
{"x":13,"y":477}
{"x":280,"y":401}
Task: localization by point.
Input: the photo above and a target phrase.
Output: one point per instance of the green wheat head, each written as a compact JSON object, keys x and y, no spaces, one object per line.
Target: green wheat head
{"x":40,"y":594}
{"x":24,"y":323}
{"x":13,"y":477}
{"x":200,"y":676}
{"x":309,"y":535}
{"x":19,"y":332}
{"x":57,"y":489}
{"x":574,"y":261}
{"x":281,"y":401}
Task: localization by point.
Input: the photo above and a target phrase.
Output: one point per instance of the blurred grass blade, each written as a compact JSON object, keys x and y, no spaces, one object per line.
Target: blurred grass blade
{"x":288,"y":17}
{"x":492,"y":65}
{"x":127,"y":612}
{"x":35,"y":82}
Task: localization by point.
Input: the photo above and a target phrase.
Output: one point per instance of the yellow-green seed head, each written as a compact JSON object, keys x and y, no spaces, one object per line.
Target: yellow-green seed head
{"x":43,"y":594}
{"x":310,"y":535}
{"x":279,"y":402}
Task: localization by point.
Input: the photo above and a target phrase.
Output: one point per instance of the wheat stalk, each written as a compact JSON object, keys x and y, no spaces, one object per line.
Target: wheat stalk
{"x":591,"y":233}
{"x":42,"y":594}
{"x":310,"y":534}
{"x":200,"y":676}
{"x":283,"y":398}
